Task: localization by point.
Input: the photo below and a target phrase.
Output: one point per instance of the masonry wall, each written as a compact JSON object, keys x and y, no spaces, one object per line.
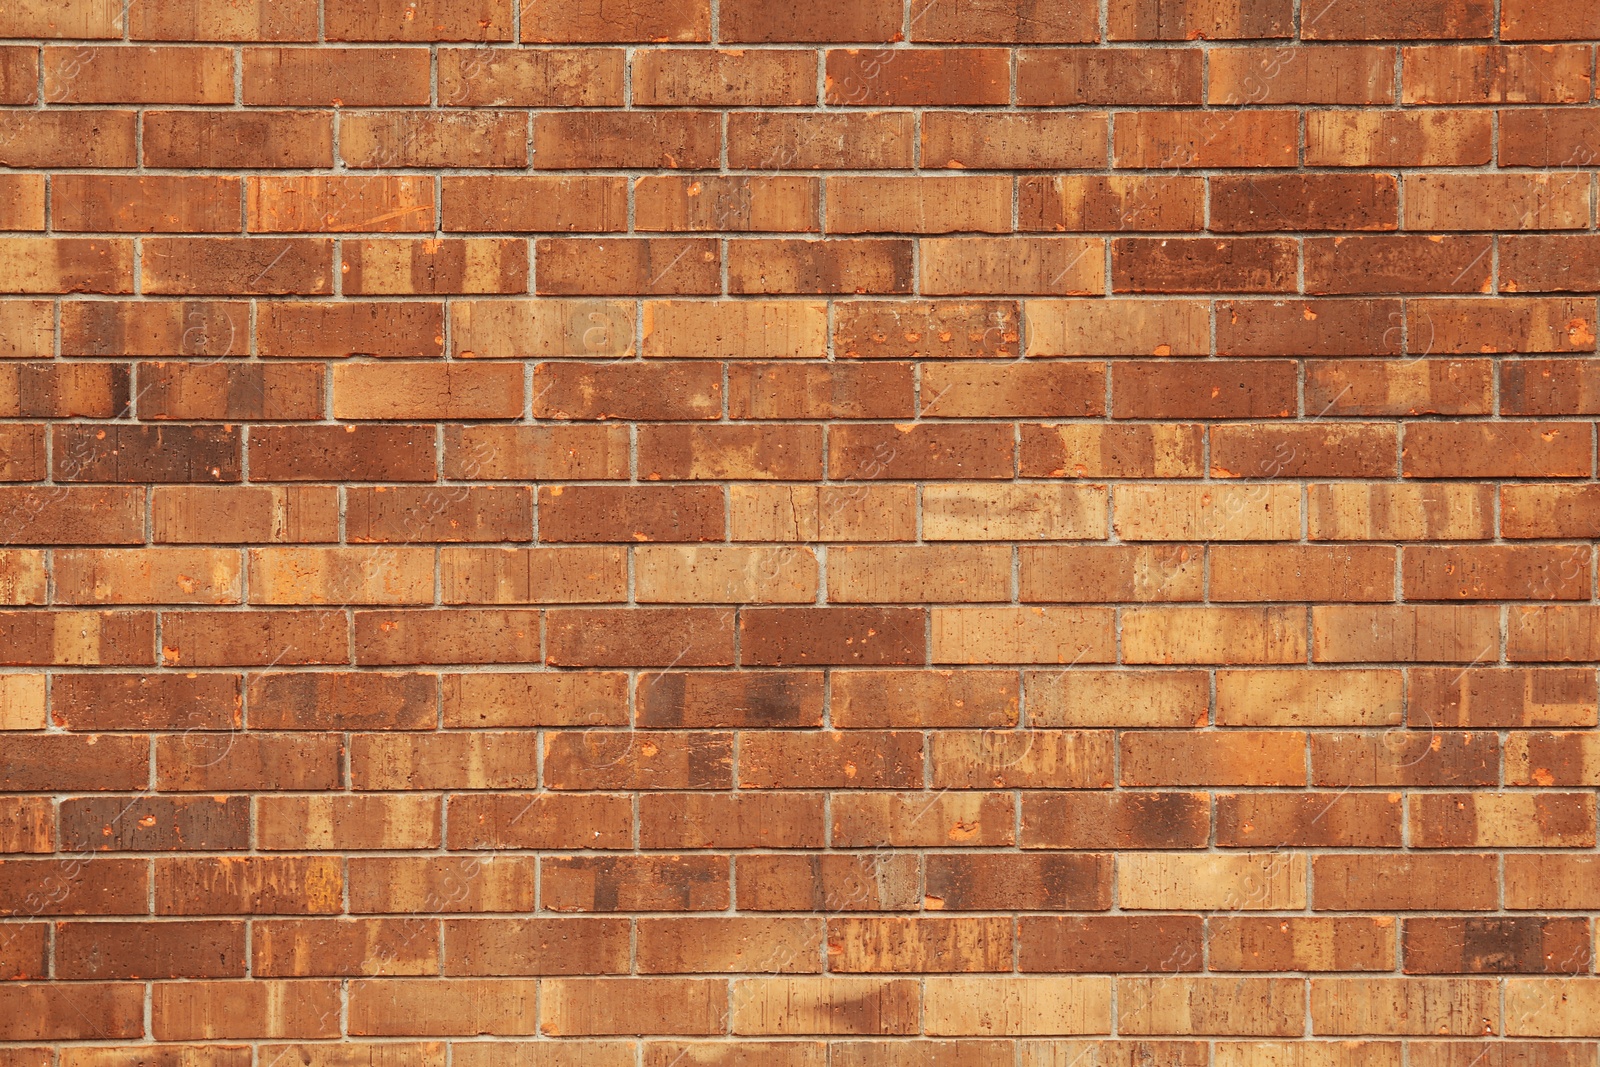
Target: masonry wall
{"x":945,"y":533}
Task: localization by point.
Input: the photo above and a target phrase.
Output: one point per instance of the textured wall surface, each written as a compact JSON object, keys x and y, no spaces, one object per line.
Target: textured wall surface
{"x":927,"y":533}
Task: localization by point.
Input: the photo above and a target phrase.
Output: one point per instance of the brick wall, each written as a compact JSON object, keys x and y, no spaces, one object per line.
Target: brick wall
{"x":926,"y":533}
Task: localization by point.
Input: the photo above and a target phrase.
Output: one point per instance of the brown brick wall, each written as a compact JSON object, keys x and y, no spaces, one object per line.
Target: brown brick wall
{"x":856,"y":533}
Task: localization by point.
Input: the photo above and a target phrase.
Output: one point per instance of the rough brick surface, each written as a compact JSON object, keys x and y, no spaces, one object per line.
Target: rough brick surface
{"x":703,"y":533}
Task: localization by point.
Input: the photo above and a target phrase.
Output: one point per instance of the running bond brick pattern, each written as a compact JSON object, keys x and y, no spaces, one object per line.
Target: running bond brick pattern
{"x":717,"y":533}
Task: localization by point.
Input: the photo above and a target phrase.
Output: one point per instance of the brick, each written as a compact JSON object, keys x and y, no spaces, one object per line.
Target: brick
{"x":1037,"y":759}
{"x":339,"y":947}
{"x":728,"y":78}
{"x":391,"y":20}
{"x":1546,"y":511}
{"x":255,"y":638}
{"x":77,"y":638}
{"x":1522,"y":21}
{"x":1014,"y":21}
{"x":649,"y":637}
{"x":994,"y":1006}
{"x":1305,"y":202}
{"x":186,"y":266}
{"x":817,"y":141}
{"x":513,"y":820}
{"x":898,"y":945}
{"x":1357,"y":74}
{"x":1188,"y":265}
{"x":80,"y":886}
{"x":1049,"y":141}
{"x":1489,"y":572}
{"x":700,"y":699}
{"x":1405,"y":758}
{"x":1309,"y":820}
{"x":528,"y":699}
{"x":1059,"y":77}
{"x":411,"y":139}
{"x":1499,"y":201}
{"x":984,"y":512}
{"x":155,"y":824}
{"x":65,"y":265}
{"x":26,"y":953}
{"x":1222,"y":635}
{"x":878,"y":881}
{"x":1117,"y":327}
{"x":1531,"y":1010}
{"x":109,"y":950}
{"x":1110,"y":573}
{"x":656,"y":266}
{"x":831,"y":267}
{"x":349,"y":328}
{"x":917,"y":575}
{"x":528,"y":576}
{"x":347,"y":822}
{"x":1355,"y":512}
{"x":744,"y":204}
{"x":749,"y":22}
{"x":900,"y":820}
{"x":499,"y":329}
{"x":647,"y":513}
{"x":825,"y":1006}
{"x":1251,"y":572}
{"x":247,"y":393}
{"x":244,"y":140}
{"x":393,"y":1006}
{"x":1301,"y":944}
{"x":652,"y":20}
{"x":345,"y":204}
{"x":219,"y":20}
{"x":1398,"y":264}
{"x":810,"y":390}
{"x":143,"y":75}
{"x":1110,"y":451}
{"x":72,"y":515}
{"x":86,"y":202}
{"x":889,"y":699}
{"x":1030,"y":265}
{"x":450,"y":885}
{"x":345,"y":77}
{"x":919,"y":76}
{"x":634,"y":883}
{"x":831,"y":760}
{"x":1125,"y":819}
{"x":1489,"y":698}
{"x":80,"y":763}
{"x":364,"y":453}
{"x":1211,"y":389}
{"x":734,"y":821}
{"x":1502,"y":820}
{"x":1452,"y":19}
{"x":1270,"y":1007}
{"x":1546,"y":137}
{"x":688,"y":140}
{"x":248,"y":885}
{"x":23,"y":703}
{"x":1155,"y":139}
{"x":169,"y":576}
{"x":433,"y":266}
{"x":724,"y":575}
{"x":528,"y":77}
{"x":426,"y":391}
{"x":1236,"y":882}
{"x":1539,"y":387}
{"x":1319,"y":327}
{"x":40,"y":1012}
{"x":1422,"y":138}
{"x":1516,"y":450}
{"x":1549,"y":634}
{"x":882,"y":205}
{"x":859,"y":512}
{"x":477,"y":635}
{"x":920,"y":451}
{"x":604,"y":760}
{"x":19,"y":74}
{"x":385,"y":514}
{"x":1022,"y":635}
{"x":787,"y":453}
{"x":1233,"y":758}
{"x":240,"y":514}
{"x":37,"y":139}
{"x":1494,"y":74}
{"x":1319,"y":698}
{"x":1460,"y":1006}
{"x":1110,"y":202}
{"x":1433,"y":386}
{"x":29,"y":329}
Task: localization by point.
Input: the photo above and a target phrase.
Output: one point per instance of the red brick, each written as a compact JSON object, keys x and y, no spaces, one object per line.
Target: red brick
{"x":434,"y":266}
{"x":222,"y":20}
{"x":248,"y":885}
{"x":77,"y":886}
{"x":665,"y":139}
{"x":330,"y":453}
{"x":1494,"y":74}
{"x":100,"y":1010}
{"x":1522,"y":20}
{"x":635,"y":883}
{"x":1231,"y":389}
{"x":1189,"y":19}
{"x":1157,"y":139}
{"x":1398,"y":264}
{"x":920,"y":77}
{"x":185,"y":266}
{"x":155,"y":824}
{"x":88,"y":702}
{"x":1054,"y":78}
{"x":244,"y":140}
{"x":831,"y":760}
{"x":1510,"y":450}
{"x":530,"y":77}
{"x":1195,"y":265}
{"x":422,"y":139}
{"x":831,"y":20}
{"x":138,"y":75}
{"x":919,"y":451}
{"x":642,"y":637}
{"x":431,"y":20}
{"x":1046,"y":141}
{"x":643,"y":20}
{"x":541,"y":453}
{"x":318,"y":77}
{"x":253,"y":638}
{"x":823,"y":636}
{"x":820,"y":141}
{"x":1110,"y":202}
{"x":832,"y":266}
{"x":142,"y":950}
{"x":1345,"y":20}
{"x":881,"y":881}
